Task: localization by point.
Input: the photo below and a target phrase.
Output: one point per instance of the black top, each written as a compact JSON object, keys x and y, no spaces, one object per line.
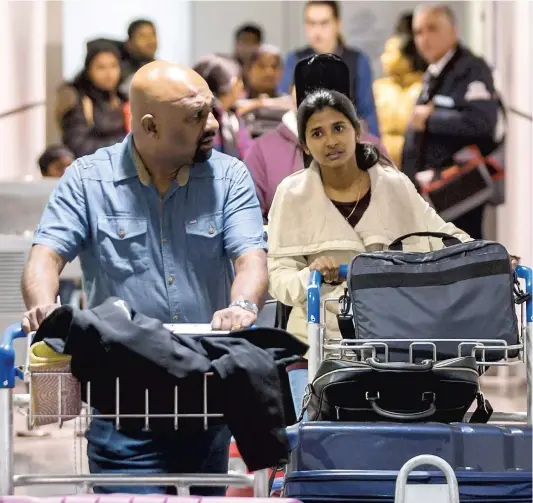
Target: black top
{"x":346,"y":209}
{"x":108,"y":125}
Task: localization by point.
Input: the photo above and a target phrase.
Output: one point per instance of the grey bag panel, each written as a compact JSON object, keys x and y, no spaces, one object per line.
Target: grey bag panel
{"x":439,"y":260}
{"x":461,"y":292}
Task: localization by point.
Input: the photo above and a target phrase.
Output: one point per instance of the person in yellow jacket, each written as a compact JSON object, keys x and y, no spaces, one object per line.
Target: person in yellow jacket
{"x":397,"y":93}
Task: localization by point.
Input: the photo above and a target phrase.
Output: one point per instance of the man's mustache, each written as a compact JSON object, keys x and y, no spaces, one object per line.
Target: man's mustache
{"x":206,"y":136}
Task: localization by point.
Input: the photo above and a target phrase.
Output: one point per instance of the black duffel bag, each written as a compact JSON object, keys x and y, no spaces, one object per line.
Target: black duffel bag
{"x":371,"y":391}
{"x":458,"y":295}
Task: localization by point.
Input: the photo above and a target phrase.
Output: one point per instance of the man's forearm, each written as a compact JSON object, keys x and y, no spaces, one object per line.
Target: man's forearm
{"x":251,"y":277}
{"x":40,"y":280}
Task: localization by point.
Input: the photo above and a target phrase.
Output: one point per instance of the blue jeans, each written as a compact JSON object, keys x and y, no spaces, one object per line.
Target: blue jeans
{"x":111,"y":451}
{"x":298,"y":382}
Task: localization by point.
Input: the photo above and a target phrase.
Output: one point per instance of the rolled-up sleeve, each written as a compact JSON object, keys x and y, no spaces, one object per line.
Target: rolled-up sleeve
{"x":64,"y":224}
{"x":243,"y":221}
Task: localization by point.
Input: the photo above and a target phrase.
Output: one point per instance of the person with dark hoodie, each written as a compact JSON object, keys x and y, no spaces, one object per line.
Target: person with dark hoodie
{"x":91,"y":109}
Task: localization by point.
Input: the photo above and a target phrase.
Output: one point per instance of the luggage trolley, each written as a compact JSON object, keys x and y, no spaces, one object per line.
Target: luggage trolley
{"x":182,"y":482}
{"x":323,"y":434}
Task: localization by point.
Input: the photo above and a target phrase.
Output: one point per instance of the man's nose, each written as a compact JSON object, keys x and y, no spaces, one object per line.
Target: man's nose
{"x":212,"y":123}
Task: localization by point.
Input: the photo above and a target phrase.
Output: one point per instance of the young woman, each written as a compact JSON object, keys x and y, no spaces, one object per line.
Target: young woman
{"x":350,"y":200}
{"x":91,"y":109}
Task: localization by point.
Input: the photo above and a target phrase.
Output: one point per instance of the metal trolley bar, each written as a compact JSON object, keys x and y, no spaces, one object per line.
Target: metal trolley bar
{"x":181,"y":482}
{"x":8,"y":481}
{"x":318,"y":348}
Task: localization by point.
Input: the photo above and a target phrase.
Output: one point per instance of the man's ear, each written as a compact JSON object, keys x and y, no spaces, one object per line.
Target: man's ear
{"x":149,"y":126}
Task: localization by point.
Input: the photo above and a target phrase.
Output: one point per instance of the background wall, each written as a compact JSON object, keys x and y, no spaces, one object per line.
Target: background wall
{"x":54,"y":66}
{"x":84,"y":20}
{"x":22,"y":97}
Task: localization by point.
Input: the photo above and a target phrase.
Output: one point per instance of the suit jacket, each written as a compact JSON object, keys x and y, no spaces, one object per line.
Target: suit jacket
{"x":113,"y":342}
{"x":466,"y":113}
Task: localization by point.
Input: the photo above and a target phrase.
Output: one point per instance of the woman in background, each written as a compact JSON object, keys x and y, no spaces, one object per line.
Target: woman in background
{"x":224,"y":79}
{"x":91,"y":107}
{"x":397,"y":93}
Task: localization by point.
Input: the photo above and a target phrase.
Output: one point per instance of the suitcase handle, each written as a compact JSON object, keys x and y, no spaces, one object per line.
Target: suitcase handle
{"x":425,"y":366}
{"x":447,"y":239}
{"x":399,"y":416}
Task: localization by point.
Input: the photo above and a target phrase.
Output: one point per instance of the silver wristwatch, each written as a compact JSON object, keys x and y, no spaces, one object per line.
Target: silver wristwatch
{"x":245,"y":304}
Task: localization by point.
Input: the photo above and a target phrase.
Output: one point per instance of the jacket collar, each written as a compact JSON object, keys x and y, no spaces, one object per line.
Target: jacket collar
{"x":304,"y":200}
{"x":436,"y":69}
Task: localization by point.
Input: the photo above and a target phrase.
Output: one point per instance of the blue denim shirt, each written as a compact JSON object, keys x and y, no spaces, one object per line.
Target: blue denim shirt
{"x":167,"y":257}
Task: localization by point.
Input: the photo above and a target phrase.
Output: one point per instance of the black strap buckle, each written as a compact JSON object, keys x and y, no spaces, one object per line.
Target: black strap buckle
{"x":483,"y":411}
{"x":519,"y":294}
{"x":345,"y":318}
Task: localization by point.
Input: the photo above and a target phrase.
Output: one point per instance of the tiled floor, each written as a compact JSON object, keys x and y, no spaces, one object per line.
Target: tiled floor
{"x":57,"y":453}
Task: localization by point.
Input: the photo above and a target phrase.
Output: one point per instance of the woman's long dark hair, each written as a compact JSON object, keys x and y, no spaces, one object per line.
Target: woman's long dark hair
{"x":404,"y":30}
{"x":366,"y":155}
{"x":82,"y":82}
{"x":218,"y":72}
{"x":409,"y":51}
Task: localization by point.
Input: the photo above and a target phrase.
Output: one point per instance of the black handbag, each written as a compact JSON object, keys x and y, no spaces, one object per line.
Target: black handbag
{"x":372,"y":391}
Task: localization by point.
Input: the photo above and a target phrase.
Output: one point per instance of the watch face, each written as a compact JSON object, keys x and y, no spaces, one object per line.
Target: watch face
{"x":246,"y":304}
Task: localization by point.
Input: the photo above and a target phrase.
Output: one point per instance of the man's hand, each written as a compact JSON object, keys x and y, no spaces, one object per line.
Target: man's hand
{"x":327,"y":267}
{"x":33,"y":318}
{"x":420,"y":116}
{"x":233,"y":318}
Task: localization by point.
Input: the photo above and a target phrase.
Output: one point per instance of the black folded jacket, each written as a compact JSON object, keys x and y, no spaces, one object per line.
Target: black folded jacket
{"x":111,"y":342}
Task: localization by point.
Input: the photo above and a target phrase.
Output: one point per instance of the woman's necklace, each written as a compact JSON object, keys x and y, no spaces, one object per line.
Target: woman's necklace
{"x":356,"y":203}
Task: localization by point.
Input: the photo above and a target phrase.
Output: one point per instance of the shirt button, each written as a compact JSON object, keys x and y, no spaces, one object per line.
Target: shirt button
{"x":121,"y":234}
{"x":176,"y":317}
{"x":164,"y":241}
{"x":211,"y":230}
{"x":170,"y":280}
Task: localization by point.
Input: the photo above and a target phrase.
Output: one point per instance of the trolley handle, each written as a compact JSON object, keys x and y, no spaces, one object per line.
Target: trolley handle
{"x":313,"y":293}
{"x":8,"y":371}
{"x":526,"y":273}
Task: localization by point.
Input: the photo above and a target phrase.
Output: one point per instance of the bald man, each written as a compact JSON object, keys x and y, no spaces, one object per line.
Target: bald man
{"x":458,"y":105}
{"x":170,"y":226}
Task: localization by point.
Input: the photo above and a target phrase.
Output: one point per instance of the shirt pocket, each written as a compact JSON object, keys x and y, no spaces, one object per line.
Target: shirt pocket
{"x":122,"y":245}
{"x":205,"y":235}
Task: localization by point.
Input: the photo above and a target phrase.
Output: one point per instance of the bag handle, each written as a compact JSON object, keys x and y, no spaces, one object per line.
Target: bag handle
{"x":447,"y":239}
{"x":399,"y":416}
{"x":425,"y":366}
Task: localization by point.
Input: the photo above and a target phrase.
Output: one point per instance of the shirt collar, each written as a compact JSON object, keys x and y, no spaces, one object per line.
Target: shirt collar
{"x":182,"y":176}
{"x":133,"y":165}
{"x":435,"y":69}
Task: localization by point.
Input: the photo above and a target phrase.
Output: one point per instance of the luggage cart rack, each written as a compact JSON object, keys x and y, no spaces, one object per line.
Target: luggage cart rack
{"x":320,"y":347}
{"x":60,"y":395}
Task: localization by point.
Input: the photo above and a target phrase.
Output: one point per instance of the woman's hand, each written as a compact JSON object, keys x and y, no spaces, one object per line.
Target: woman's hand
{"x":327,"y":267}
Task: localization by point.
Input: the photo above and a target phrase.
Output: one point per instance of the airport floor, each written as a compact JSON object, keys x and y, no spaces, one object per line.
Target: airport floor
{"x":62,"y":452}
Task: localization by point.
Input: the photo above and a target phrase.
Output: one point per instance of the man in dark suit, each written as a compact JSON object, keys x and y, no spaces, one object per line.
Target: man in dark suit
{"x":458,"y":105}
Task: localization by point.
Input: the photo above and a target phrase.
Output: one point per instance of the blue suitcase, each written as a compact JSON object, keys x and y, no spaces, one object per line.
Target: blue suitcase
{"x":356,"y":462}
